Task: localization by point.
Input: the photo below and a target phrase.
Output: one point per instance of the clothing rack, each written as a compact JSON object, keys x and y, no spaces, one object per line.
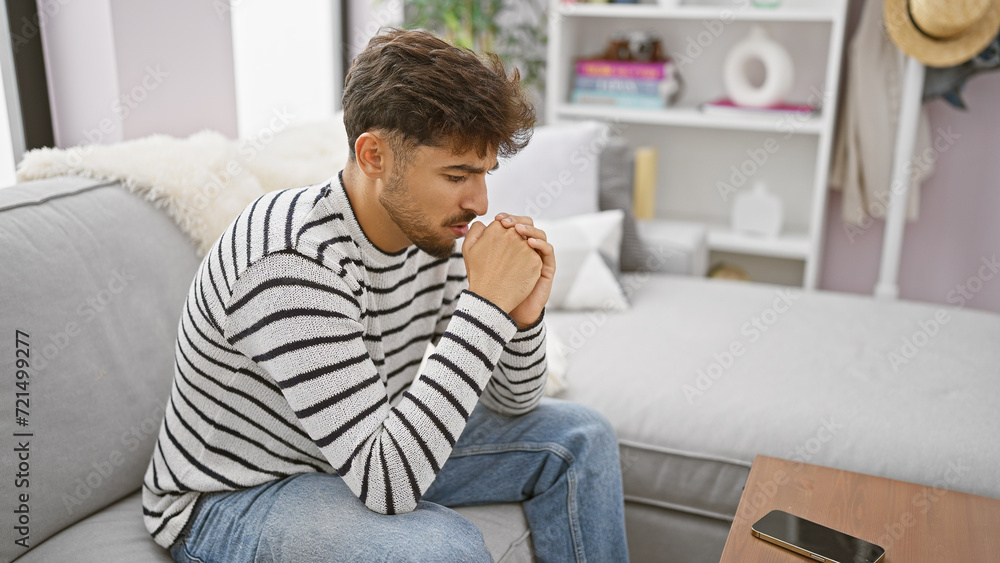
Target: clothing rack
{"x":895,"y":217}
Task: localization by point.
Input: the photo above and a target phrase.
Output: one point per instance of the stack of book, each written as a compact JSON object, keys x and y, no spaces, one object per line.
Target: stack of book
{"x":625,"y":84}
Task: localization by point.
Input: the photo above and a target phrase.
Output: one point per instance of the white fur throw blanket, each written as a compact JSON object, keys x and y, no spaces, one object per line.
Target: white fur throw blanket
{"x":204,"y":181}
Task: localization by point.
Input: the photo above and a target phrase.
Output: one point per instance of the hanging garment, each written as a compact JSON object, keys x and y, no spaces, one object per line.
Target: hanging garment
{"x":866,"y":129}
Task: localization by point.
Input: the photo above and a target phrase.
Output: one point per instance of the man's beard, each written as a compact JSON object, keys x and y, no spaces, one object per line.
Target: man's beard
{"x":396,"y":201}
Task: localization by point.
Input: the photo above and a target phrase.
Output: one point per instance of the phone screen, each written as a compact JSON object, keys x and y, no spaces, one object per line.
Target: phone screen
{"x":816,"y":539}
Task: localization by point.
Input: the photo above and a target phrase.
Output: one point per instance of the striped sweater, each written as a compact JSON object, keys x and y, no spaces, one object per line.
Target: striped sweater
{"x":298,"y":349}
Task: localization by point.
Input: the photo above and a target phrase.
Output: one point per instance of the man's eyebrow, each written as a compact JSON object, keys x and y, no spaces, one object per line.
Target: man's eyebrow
{"x":470,"y":168}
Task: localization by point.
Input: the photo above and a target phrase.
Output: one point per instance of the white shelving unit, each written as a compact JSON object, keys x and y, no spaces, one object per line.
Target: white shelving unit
{"x":702,"y":156}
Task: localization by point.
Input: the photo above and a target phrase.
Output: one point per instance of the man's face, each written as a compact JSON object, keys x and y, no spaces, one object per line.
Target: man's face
{"x":435,"y":196}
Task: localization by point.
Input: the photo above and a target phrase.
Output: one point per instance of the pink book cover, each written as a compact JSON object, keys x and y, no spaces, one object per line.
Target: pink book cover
{"x":727,"y":104}
{"x":622,"y":69}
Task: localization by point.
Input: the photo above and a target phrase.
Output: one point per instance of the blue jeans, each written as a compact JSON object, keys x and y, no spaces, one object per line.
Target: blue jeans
{"x":560,"y":460}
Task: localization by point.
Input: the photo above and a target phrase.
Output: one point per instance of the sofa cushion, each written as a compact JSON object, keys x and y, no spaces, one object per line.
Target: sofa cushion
{"x":587,"y":249}
{"x":113,"y":534}
{"x":117,"y":534}
{"x":505,"y":529}
{"x":614,"y":191}
{"x":555,"y":176}
{"x":699,"y":376}
{"x":96,"y":278}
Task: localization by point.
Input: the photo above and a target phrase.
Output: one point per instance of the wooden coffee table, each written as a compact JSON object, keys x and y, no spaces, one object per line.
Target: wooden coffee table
{"x":912,"y":522}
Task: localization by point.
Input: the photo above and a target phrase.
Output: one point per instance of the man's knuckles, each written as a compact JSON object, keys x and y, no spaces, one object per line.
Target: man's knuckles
{"x":525,"y":220}
{"x":512,"y":234}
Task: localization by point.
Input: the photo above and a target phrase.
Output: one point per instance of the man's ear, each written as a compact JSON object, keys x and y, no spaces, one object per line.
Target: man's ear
{"x":370,"y":152}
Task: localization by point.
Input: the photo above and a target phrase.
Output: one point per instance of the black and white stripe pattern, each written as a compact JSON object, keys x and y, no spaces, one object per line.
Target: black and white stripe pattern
{"x":298,"y":349}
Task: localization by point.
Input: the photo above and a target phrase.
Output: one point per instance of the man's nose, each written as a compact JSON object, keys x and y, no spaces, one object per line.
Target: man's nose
{"x":476,"y":199}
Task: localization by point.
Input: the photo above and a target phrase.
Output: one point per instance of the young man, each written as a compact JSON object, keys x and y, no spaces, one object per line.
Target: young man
{"x":298,"y":426}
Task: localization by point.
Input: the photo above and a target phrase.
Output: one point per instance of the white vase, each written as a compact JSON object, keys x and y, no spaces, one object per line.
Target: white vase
{"x":757,"y":212}
{"x":778,"y":71}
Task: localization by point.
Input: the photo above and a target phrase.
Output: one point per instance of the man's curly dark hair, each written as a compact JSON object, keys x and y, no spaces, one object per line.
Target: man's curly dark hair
{"x":419,"y":90}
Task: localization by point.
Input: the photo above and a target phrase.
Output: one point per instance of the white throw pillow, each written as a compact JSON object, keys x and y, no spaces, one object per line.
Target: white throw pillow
{"x":555,"y":176}
{"x":587,"y":251}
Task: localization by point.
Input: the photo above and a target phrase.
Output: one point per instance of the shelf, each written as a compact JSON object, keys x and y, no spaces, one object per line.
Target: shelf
{"x":695,"y":146}
{"x":793,"y":244}
{"x":801,"y":12}
{"x":689,"y":116}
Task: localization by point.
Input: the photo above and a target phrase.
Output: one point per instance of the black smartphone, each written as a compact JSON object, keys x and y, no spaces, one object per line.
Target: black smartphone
{"x":813,"y":540}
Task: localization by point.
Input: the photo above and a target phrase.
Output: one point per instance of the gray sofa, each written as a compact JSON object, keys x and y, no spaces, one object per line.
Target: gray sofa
{"x":93,"y":279}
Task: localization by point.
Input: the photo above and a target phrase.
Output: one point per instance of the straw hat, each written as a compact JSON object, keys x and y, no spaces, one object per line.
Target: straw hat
{"x":942,"y":32}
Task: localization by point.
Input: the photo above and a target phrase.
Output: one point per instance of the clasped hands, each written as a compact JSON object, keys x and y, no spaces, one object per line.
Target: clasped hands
{"x":511,"y":263}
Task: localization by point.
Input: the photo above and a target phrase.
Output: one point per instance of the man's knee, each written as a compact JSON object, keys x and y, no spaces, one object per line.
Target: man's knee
{"x":583,"y":427}
{"x":446,"y":536}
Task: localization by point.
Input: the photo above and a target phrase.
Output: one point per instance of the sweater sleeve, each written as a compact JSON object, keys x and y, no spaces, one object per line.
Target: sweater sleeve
{"x":518,"y":381}
{"x":301,"y":323}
